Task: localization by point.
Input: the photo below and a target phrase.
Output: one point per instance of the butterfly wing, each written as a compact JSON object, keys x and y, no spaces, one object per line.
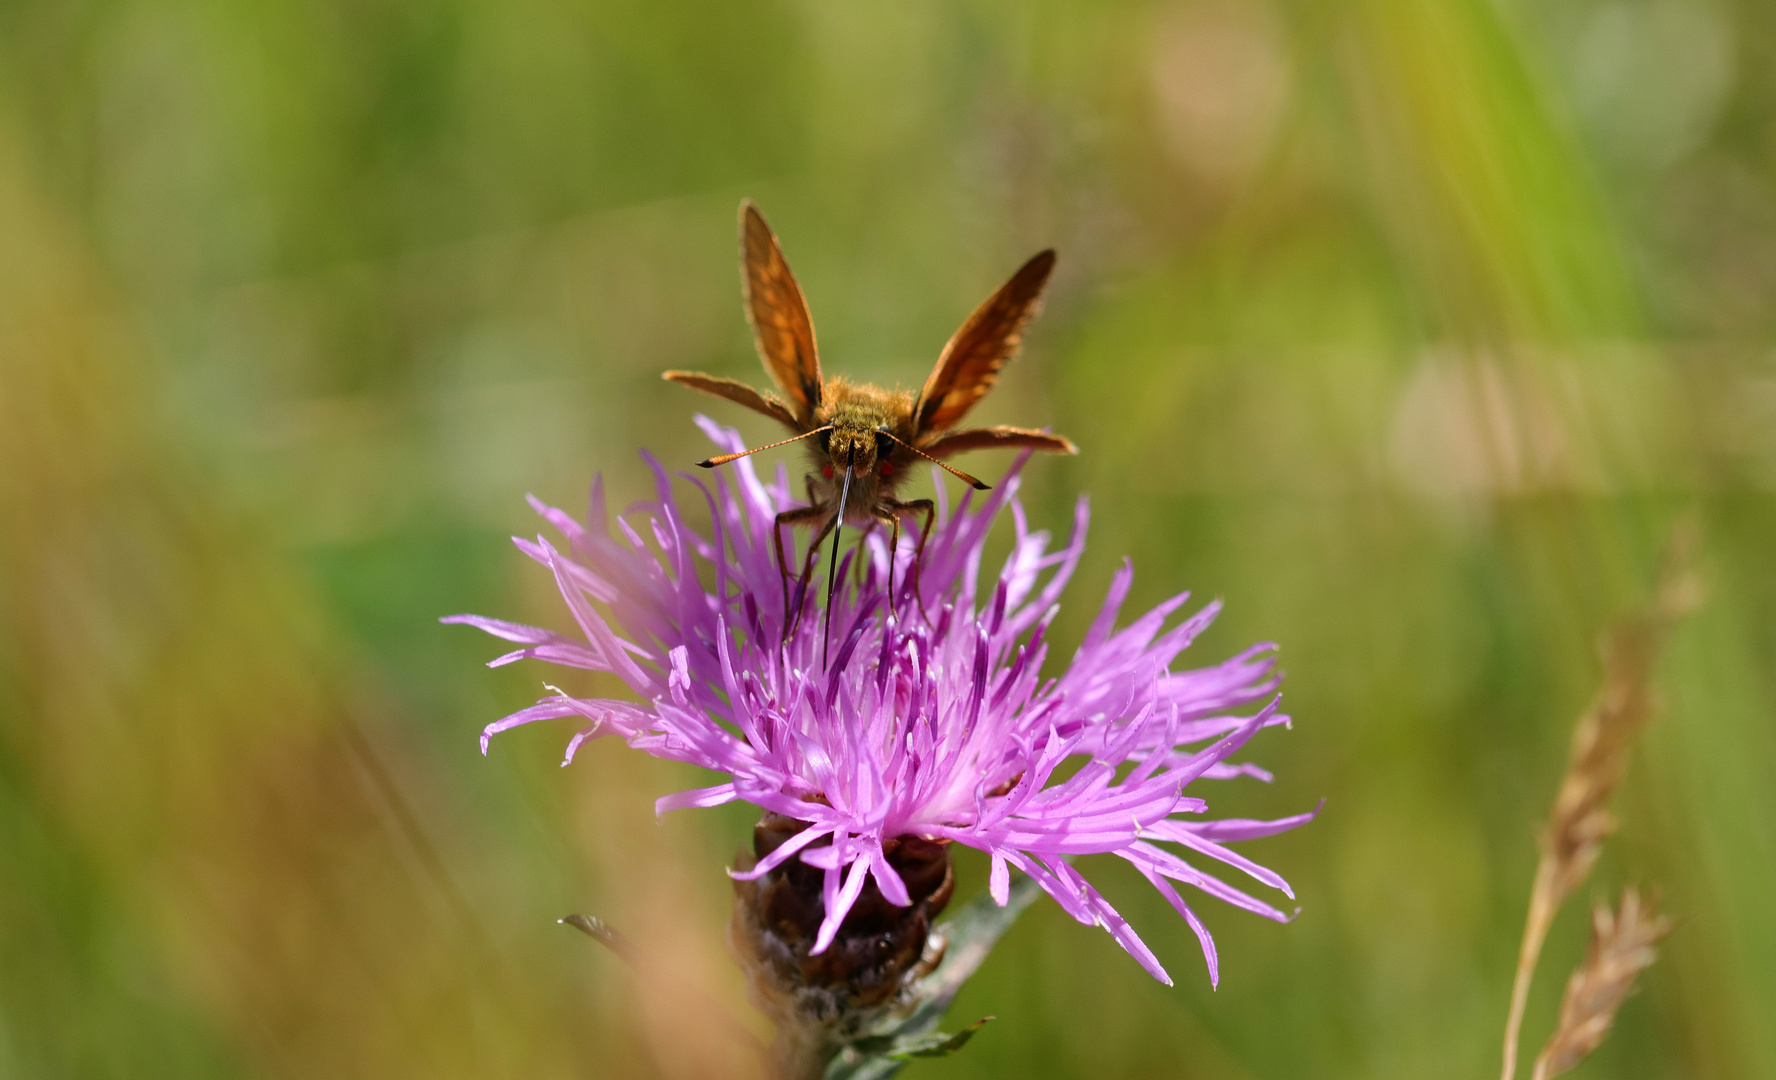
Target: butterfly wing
{"x":737,"y":392}
{"x":780,"y":323}
{"x":989,"y":438}
{"x":970,"y":363}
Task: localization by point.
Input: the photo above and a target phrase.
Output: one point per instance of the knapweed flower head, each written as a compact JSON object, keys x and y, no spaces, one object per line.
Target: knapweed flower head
{"x":932,"y":718}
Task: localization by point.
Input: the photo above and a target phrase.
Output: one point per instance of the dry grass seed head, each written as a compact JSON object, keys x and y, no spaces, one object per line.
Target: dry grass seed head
{"x":1581,"y":819}
{"x":1621,"y":948}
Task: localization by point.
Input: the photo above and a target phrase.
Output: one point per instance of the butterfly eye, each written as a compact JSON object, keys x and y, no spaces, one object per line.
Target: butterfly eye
{"x":884,"y":444}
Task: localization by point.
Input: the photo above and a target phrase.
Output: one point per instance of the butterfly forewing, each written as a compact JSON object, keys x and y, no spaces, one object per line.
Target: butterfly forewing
{"x":971,"y":361}
{"x":779,"y":314}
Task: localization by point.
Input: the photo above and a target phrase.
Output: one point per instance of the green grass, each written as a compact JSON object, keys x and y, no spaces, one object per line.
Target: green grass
{"x":302,"y":298}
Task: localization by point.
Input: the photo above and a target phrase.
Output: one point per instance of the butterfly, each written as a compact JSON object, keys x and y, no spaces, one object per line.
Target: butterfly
{"x":864,"y":439}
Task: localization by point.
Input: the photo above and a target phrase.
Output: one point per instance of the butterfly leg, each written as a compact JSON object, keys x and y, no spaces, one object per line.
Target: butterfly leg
{"x":893,"y":523}
{"x":792,"y":518}
{"x":807,"y":574}
{"x":801,"y":515}
{"x":929,"y":509}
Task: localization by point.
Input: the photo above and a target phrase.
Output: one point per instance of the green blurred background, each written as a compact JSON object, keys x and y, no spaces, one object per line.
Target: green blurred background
{"x":1406,"y":326}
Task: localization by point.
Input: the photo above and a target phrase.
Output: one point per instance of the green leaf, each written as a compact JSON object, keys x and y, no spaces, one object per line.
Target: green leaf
{"x":937,"y":1044}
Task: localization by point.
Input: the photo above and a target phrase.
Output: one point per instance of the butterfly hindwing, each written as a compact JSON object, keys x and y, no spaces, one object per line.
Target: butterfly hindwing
{"x":999,"y":437}
{"x":737,"y":392}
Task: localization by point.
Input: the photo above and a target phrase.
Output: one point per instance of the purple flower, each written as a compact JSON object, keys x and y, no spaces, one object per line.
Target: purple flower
{"x":933,"y":718}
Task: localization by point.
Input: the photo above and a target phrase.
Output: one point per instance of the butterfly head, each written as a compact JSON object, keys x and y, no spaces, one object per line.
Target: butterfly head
{"x":869,"y":432}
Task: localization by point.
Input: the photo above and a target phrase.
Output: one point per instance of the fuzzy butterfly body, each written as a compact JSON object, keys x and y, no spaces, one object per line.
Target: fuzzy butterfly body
{"x":863,"y":439}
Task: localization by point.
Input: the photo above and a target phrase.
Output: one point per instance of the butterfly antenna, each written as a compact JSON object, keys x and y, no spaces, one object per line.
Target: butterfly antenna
{"x":723,"y":459}
{"x":832,"y":567}
{"x":957,"y":473}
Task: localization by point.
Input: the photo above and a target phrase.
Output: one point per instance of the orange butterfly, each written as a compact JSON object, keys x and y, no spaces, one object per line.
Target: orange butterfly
{"x":866,"y":438}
